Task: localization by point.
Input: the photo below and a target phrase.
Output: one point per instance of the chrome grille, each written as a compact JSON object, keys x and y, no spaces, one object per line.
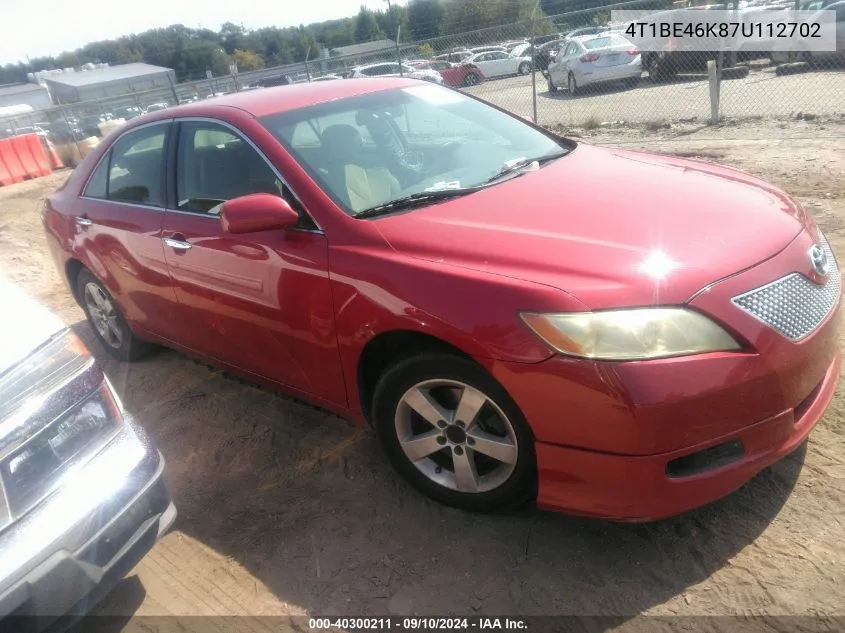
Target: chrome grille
{"x":793,"y":305}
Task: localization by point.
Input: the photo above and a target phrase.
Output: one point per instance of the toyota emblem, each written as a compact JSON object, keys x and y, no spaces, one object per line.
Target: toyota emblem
{"x":819,"y":260}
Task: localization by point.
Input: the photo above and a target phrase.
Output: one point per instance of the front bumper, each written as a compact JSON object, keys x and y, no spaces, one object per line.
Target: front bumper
{"x":68,"y":552}
{"x":638,"y":488}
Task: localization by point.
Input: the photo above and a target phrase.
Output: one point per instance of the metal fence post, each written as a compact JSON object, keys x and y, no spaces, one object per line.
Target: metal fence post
{"x":173,"y":89}
{"x":398,"y":52}
{"x":713,"y":76}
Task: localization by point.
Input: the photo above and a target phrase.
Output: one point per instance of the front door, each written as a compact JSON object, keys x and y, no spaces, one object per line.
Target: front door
{"x":258,"y":301}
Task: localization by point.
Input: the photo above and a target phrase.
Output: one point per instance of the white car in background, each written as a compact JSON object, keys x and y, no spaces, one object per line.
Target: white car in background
{"x":500,"y":64}
{"x":392,"y":69}
{"x":594,"y":59}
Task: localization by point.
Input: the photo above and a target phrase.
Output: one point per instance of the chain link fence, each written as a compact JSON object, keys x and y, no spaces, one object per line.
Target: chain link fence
{"x":536,"y":69}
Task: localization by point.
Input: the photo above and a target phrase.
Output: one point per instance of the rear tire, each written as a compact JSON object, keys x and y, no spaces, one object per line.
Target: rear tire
{"x":524,"y":68}
{"x":439,"y":453}
{"x":107,"y":321}
{"x":471,"y":79}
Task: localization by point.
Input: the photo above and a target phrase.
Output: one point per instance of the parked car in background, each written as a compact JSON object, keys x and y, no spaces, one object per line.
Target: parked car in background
{"x":585,"y":31}
{"x":488,"y":49}
{"x":525,"y":49}
{"x":456,"y":56}
{"x":31,"y":129}
{"x":593,"y":60}
{"x":65,"y":131}
{"x":155,"y":107}
{"x":546,"y":53}
{"x":511,"y":44}
{"x":326,"y":78}
{"x":276,"y":80}
{"x":543,"y":39}
{"x":453,"y":74}
{"x":837,"y":7}
{"x":90,"y":125}
{"x":392,"y":69}
{"x":396,"y":252}
{"x":500,"y":64}
{"x":683,"y":55}
{"x":82,"y":495}
{"x":128,"y":113}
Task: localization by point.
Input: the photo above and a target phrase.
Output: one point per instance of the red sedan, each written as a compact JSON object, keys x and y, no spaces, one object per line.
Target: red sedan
{"x":457,"y":75}
{"x":402,"y":254}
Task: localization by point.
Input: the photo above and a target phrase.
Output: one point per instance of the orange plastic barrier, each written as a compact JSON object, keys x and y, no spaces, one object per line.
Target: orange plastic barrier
{"x":33,"y":143}
{"x":31,"y":165}
{"x":5,"y":175}
{"x":23,"y":157}
{"x":10,"y":158}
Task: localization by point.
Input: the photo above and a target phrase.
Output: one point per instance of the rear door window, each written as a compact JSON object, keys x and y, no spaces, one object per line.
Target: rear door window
{"x":133,"y":169}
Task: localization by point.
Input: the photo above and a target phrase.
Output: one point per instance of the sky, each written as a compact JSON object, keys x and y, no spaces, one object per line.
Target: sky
{"x":49,"y":27}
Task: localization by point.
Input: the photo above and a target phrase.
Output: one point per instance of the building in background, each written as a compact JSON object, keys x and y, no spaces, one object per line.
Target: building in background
{"x":107,"y":81}
{"x":31,"y":95}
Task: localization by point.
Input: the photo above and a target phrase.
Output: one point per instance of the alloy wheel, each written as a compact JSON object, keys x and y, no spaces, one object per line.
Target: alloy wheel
{"x":103,"y":315}
{"x":456,"y":436}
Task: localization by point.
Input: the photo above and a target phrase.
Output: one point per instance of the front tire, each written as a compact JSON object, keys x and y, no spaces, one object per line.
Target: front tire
{"x":571,"y":84}
{"x":106,"y":320}
{"x":455,"y":434}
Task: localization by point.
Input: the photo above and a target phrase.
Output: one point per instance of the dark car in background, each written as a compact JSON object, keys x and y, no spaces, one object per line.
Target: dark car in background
{"x":465,"y":74}
{"x":82,"y":495}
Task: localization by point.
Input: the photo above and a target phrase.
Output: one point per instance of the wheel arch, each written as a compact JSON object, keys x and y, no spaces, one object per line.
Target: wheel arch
{"x":73,"y":267}
{"x":388,"y":347}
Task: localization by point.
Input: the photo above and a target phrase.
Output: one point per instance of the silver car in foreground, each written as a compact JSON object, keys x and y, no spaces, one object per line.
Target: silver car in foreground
{"x":82,"y":498}
{"x":594,"y":59}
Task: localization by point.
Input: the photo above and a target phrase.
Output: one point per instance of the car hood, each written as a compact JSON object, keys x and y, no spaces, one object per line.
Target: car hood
{"x":611,"y":227}
{"x":24,"y":325}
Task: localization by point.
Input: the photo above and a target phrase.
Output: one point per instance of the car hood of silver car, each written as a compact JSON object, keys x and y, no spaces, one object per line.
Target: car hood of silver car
{"x":24,"y":325}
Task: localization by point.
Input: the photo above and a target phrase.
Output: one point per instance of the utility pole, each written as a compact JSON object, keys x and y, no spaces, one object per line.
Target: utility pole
{"x":395,"y":29}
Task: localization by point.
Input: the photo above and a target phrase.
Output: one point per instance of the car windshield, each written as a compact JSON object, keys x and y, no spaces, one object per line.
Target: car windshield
{"x":370,"y":150}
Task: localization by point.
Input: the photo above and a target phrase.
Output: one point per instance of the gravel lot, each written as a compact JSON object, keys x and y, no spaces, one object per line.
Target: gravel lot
{"x":285,"y":509}
{"x":761,"y":93}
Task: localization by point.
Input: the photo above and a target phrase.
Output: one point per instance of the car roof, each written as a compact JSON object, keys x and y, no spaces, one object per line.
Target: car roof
{"x":279,"y":99}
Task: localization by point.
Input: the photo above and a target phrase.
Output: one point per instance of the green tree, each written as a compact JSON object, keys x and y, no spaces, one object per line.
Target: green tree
{"x":426,"y":51}
{"x":247,"y":60}
{"x":366,"y":26}
{"x":233,"y":37}
{"x":425,"y":17}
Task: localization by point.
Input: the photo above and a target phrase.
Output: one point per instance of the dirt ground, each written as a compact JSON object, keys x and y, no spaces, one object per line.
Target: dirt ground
{"x":285,"y":509}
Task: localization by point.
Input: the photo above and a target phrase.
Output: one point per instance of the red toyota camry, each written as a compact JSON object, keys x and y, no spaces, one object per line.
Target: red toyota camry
{"x":520,"y":317}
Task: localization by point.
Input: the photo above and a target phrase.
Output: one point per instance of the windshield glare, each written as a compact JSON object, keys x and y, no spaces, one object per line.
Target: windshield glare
{"x":369,"y":150}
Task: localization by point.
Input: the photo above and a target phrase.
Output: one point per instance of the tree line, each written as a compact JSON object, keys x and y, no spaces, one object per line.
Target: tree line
{"x":190,"y":51}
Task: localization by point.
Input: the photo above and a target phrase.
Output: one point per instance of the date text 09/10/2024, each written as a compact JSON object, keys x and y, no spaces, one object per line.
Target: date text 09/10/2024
{"x":417,"y":624}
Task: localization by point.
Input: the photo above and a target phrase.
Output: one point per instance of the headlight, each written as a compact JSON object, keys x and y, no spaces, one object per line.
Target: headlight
{"x":638,"y":334}
{"x":57,"y":410}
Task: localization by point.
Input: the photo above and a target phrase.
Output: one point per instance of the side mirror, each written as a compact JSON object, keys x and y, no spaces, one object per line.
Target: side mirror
{"x":257,"y":212}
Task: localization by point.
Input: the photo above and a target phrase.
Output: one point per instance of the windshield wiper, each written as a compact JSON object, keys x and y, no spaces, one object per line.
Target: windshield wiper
{"x":427,"y":197}
{"x":520,"y":166}
{"x":415,"y":199}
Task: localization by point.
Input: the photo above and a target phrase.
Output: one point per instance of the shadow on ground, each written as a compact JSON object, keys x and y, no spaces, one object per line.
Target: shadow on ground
{"x":307,"y":504}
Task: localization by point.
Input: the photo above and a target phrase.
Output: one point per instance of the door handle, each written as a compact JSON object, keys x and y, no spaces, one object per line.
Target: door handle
{"x":178,"y":245}
{"x":83,"y":221}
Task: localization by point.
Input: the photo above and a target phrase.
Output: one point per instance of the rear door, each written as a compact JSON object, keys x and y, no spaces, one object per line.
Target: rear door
{"x":258,"y":301}
{"x":119,"y":221}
